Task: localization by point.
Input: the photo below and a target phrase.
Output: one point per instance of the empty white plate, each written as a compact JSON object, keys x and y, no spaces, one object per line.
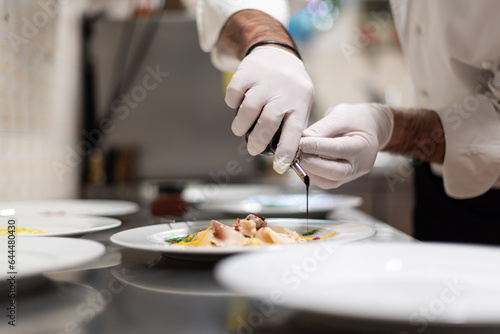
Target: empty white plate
{"x":377,"y":287}
{"x":36,"y":256}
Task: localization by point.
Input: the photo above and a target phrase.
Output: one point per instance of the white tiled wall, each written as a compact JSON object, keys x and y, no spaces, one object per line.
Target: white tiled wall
{"x":39,"y":98}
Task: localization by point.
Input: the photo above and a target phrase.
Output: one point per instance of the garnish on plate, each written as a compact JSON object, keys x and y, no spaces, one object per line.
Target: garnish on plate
{"x":183,"y":238}
{"x":21,"y":231}
{"x":305,"y":234}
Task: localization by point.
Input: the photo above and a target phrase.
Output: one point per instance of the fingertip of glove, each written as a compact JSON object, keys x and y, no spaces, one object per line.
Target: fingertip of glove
{"x":237,"y":129}
{"x":253,"y":148}
{"x":306,"y":132}
{"x":281,"y":164}
{"x":307,"y":145}
{"x":254,"y":152}
{"x":231,"y":101}
{"x":280,"y":169}
{"x":310,"y":132}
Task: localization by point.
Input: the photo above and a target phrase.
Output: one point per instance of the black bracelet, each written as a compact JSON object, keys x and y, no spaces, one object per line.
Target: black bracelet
{"x":250,"y":49}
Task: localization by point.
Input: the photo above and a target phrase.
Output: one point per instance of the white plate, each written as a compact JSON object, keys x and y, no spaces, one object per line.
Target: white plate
{"x":62,"y":225}
{"x":283,"y":204}
{"x":153,"y":237}
{"x":36,"y":256}
{"x":91,"y":207}
{"x":363,"y":286}
{"x":221,"y":193}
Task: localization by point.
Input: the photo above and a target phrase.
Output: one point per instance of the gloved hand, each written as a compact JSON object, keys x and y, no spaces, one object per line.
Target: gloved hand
{"x":274,"y":84}
{"x":343,"y":145}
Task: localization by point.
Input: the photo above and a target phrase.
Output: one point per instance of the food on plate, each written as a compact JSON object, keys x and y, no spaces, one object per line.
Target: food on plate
{"x":251,"y":231}
{"x":21,"y":231}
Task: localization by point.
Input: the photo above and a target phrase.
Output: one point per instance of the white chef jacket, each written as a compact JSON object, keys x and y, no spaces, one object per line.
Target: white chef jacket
{"x":452,"y":49}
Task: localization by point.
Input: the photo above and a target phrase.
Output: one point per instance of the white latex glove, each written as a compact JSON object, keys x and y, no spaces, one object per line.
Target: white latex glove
{"x":274,"y":84}
{"x":343,"y":145}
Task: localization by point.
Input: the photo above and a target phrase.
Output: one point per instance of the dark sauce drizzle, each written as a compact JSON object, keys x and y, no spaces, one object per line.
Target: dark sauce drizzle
{"x":306,"y":181}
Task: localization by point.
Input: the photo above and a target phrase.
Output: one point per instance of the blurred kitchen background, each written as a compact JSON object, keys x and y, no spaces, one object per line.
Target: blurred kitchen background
{"x":102,"y":99}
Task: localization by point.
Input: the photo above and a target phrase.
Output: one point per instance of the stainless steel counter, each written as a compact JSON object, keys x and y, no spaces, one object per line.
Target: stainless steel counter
{"x":130,"y":291}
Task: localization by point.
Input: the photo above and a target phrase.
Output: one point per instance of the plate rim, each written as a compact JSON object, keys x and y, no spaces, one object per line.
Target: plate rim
{"x":129,"y":207}
{"x":112,"y":223}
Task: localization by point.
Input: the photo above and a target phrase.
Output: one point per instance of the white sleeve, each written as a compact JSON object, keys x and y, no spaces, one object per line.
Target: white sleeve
{"x":211,"y":15}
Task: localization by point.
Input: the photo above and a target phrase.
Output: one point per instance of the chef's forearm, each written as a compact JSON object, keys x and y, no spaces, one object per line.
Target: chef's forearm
{"x":247,"y":27}
{"x":418,"y":134}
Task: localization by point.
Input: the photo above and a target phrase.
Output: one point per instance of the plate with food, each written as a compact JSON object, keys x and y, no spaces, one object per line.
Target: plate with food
{"x":32,"y":225}
{"x":397,"y":287}
{"x":286,"y":204}
{"x":64,"y":207}
{"x":224,"y":237}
